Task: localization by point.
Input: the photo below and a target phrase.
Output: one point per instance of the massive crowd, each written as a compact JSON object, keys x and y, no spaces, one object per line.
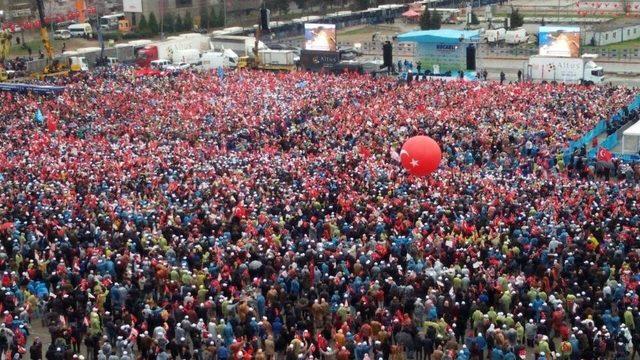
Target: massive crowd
{"x":262,"y":216}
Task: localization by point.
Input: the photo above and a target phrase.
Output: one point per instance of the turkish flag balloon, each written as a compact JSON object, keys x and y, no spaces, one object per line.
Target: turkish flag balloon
{"x":420,"y":155}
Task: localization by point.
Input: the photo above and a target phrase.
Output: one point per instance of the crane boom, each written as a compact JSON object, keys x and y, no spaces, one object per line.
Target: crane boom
{"x":44,"y":34}
{"x":80,"y":7}
{"x":5,"y":45}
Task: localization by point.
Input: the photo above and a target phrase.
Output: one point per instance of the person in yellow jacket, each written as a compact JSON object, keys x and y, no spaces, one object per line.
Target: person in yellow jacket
{"x":628,"y":319}
{"x":95,"y":326}
{"x":565,"y":350}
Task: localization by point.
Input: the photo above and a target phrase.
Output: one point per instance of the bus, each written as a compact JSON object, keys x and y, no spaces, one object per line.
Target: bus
{"x":113,"y":22}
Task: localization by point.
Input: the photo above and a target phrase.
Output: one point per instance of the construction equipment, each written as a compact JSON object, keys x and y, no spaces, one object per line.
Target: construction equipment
{"x":266,"y":59}
{"x":81,"y":8}
{"x":54,"y":67}
{"x":5,"y":46}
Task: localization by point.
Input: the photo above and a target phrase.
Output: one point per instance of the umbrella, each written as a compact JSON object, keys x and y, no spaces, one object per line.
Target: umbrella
{"x":255,"y":265}
{"x":411,"y":14}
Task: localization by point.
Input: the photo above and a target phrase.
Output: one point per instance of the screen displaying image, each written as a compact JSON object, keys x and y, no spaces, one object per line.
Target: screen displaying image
{"x":320,"y":37}
{"x":561,"y":41}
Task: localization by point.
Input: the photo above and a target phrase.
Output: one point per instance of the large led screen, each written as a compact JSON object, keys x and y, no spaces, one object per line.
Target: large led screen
{"x":562,"y":41}
{"x":320,"y":37}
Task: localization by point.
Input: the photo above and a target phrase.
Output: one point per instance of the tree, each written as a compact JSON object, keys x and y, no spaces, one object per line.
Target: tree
{"x":220,"y":20}
{"x":179,"y":25}
{"x":425,"y":20}
{"x":169,"y":23}
{"x":204,"y":19}
{"x":436,"y":21}
{"x":213,"y":17}
{"x":282,"y":6}
{"x":474,"y":19}
{"x":517,"y":20}
{"x":188,"y":21}
{"x":143,"y":27}
{"x":362,"y":4}
{"x":153,"y":24}
{"x":302,"y":4}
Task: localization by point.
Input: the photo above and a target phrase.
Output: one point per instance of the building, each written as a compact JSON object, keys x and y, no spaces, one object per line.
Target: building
{"x":176,"y":7}
{"x":232,"y":8}
{"x":18,"y":9}
{"x":611,"y":32}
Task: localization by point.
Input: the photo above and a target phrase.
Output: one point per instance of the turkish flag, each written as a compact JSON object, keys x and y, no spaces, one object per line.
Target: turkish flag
{"x":604,"y":155}
{"x":52,"y":124}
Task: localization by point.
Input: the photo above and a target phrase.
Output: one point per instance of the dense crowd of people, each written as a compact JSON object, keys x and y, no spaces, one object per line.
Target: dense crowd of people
{"x":262,"y":215}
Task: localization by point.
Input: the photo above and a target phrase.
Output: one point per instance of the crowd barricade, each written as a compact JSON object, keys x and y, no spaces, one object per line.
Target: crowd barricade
{"x":609,"y":143}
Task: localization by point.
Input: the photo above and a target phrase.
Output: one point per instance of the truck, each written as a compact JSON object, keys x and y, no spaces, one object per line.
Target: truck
{"x":277,"y":59}
{"x":166,"y":49}
{"x":582,"y":69}
{"x":494,"y":35}
{"x":189,"y":56}
{"x":516,"y":36}
{"x":241,"y":45}
{"x":215,"y":59}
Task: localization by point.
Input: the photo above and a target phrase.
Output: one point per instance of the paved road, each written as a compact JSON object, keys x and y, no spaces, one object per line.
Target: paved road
{"x":614,"y":71}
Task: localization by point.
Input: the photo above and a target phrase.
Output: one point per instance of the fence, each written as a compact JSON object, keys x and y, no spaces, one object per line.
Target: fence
{"x":524,"y":52}
{"x":600,"y":127}
{"x":609,"y":142}
{"x":123,"y":54}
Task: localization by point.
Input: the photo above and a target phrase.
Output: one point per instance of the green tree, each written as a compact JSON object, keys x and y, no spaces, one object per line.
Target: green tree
{"x":361,"y":4}
{"x":169,"y":23}
{"x":153,"y":24}
{"x":213,"y":17}
{"x":204,"y":19}
{"x":517,"y":20}
{"x":425,"y":20}
{"x":282,"y":6}
{"x":436,"y":21}
{"x":474,"y":19}
{"x":179,"y":24}
{"x":302,"y":4}
{"x":188,"y":21}
{"x":143,"y":26}
{"x":221,"y":19}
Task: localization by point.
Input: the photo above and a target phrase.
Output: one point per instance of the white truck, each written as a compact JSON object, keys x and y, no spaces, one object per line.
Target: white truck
{"x":189,"y":56}
{"x":516,"y":36}
{"x":241,"y":45}
{"x":281,"y":59}
{"x":215,"y":59}
{"x":494,"y":35}
{"x":570,"y":70}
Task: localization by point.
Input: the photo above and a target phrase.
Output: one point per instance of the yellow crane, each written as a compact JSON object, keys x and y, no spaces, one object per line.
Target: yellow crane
{"x":5,"y":46}
{"x":54,"y":67}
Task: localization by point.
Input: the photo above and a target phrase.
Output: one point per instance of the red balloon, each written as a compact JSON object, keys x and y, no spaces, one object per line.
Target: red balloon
{"x":420,"y":155}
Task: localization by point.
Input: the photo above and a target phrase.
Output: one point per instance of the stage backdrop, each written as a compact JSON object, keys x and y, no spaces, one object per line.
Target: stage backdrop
{"x":441,"y":50}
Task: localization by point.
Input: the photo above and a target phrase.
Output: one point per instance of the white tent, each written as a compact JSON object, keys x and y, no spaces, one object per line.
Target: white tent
{"x":631,"y":139}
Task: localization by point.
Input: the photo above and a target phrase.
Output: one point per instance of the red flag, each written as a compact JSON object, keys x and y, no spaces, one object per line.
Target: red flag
{"x":604,"y":155}
{"x":52,"y":124}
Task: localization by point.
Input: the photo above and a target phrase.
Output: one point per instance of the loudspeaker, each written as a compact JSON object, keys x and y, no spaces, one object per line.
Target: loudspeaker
{"x":387,"y":54}
{"x":471,"y":57}
{"x":265,"y":16}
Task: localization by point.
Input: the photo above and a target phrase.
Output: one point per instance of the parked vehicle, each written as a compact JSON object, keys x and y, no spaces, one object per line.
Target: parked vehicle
{"x":214,"y":59}
{"x":62,"y":35}
{"x":494,"y":35}
{"x":516,"y":36}
{"x":571,"y":70}
{"x":160,"y":64}
{"x":241,"y":45}
{"x":81,"y":30}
